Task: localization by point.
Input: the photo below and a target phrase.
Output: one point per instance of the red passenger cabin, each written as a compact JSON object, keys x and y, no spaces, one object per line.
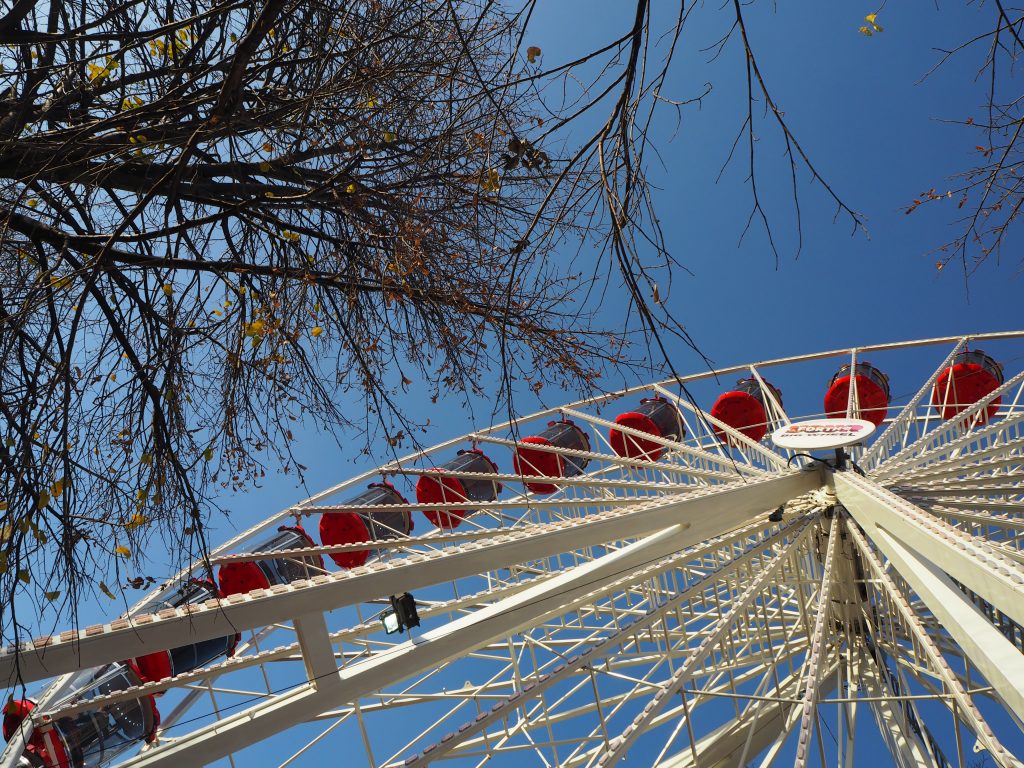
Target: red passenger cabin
{"x":94,"y":736}
{"x":655,"y":416}
{"x":532,"y":462}
{"x":971,"y":377}
{"x":872,"y":393}
{"x":350,"y":526}
{"x":176,"y":661}
{"x":744,"y":410}
{"x":452,"y":489}
{"x":245,"y":576}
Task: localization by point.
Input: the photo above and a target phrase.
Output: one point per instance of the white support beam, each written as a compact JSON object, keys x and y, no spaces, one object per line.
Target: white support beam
{"x":905,"y":747}
{"x":527,"y":608}
{"x":813,"y":666}
{"x":965,"y":708}
{"x":618,"y":746}
{"x":896,"y":432}
{"x":751,"y":734}
{"x":969,"y":560}
{"x":702,"y":513}
{"x":317,"y":651}
{"x":502,"y":708}
{"x":986,"y":647}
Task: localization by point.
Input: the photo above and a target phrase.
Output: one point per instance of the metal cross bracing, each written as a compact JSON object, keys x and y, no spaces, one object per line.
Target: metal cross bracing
{"x":706,"y":600}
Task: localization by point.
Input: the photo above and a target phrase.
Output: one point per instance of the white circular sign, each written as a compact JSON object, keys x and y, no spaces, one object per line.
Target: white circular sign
{"x":819,"y":434}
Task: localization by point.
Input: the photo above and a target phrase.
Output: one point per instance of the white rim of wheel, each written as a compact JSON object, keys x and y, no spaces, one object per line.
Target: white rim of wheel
{"x":645,"y":607}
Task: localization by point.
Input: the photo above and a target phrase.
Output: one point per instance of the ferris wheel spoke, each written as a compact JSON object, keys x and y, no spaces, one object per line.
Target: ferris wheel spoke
{"x":726,"y":469}
{"x":1004,"y":458}
{"x":813,"y":666}
{"x":619,"y":745}
{"x":704,"y":512}
{"x":965,"y":430}
{"x":977,"y":450}
{"x":968,"y":560}
{"x":987,"y":648}
{"x":897,"y":434}
{"x":577,"y":661}
{"x":747,"y":447}
{"x":895,"y":605}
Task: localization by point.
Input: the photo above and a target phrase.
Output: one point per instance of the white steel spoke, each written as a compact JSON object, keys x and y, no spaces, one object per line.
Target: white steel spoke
{"x":974,"y":563}
{"x":705,"y":513}
{"x":813,"y":667}
{"x":899,"y":607}
{"x":896,"y":434}
{"x":618,"y":746}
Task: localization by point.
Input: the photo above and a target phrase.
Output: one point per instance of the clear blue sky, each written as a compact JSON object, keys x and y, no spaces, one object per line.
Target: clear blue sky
{"x":874,"y":133}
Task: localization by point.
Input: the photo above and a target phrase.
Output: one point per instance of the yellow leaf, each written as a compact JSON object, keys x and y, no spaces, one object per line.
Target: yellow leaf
{"x":24,"y":576}
{"x":3,"y":506}
{"x":865,"y":31}
{"x":136,"y":520}
{"x":532,"y":53}
{"x":43,"y":500}
{"x":316,"y":331}
{"x":142,"y":494}
{"x":208,"y":454}
{"x":168,"y":289}
{"x":233,"y":37}
{"x":389,"y":136}
{"x":351,"y":188}
{"x":123,"y":551}
{"x":106,"y":591}
{"x":32,"y":203}
{"x":51,"y":596}
{"x":6,"y":531}
{"x":146,"y":459}
{"x":255,"y":328}
{"x":58,"y":487}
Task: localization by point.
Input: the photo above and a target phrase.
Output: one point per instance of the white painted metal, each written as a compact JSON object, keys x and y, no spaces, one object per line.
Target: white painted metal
{"x":646,"y":610}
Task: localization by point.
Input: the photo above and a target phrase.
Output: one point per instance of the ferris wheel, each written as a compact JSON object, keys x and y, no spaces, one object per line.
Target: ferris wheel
{"x":680,"y":574}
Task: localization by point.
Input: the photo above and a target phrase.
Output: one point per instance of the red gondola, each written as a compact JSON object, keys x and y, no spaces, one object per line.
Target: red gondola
{"x":245,"y":576}
{"x":743,"y":409}
{"x":872,"y":393}
{"x":175,"y":661}
{"x":655,"y":416}
{"x":94,"y":736}
{"x":972,"y":376}
{"x":446,"y":489}
{"x":351,"y":526}
{"x":533,"y":463}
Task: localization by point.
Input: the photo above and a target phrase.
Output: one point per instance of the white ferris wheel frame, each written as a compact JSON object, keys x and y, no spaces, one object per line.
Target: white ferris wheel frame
{"x":646,"y":521}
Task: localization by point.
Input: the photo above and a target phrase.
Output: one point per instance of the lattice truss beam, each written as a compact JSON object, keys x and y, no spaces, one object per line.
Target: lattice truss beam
{"x":649,"y":610}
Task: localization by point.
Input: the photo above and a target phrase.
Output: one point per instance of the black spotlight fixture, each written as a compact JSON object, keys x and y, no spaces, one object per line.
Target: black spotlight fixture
{"x":402,"y":615}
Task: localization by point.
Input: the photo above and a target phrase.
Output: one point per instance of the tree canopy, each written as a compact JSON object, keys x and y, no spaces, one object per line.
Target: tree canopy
{"x":219,"y":215}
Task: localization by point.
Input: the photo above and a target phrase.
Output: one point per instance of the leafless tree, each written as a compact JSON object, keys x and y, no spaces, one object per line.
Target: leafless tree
{"x":990,"y":195}
{"x":218,"y":215}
